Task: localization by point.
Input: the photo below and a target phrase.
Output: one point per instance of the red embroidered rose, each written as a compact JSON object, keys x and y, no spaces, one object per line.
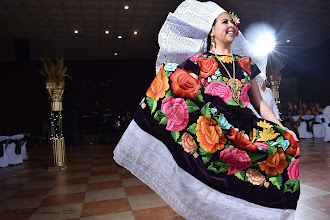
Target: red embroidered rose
{"x":158,"y":86}
{"x":245,"y":99}
{"x":240,"y":141}
{"x":177,"y":113}
{"x":194,"y":58}
{"x":293,"y":169}
{"x":254,"y":177}
{"x":245,"y":63}
{"x":204,"y":82}
{"x":219,"y":89}
{"x":184,"y":84}
{"x":275,"y":163}
{"x":294,"y":149}
{"x":188,"y":143}
{"x":209,"y":134}
{"x":236,"y":159}
{"x":207,"y":66}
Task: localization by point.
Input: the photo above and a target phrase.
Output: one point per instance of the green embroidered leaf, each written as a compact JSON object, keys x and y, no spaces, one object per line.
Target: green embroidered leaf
{"x":163,"y":121}
{"x":289,"y":158}
{"x":232,"y":102}
{"x":229,"y":145}
{"x":271,"y":150}
{"x":218,"y":167}
{"x":240,"y":175}
{"x":180,"y":141}
{"x":279,"y":139}
{"x":211,"y":167}
{"x":191,"y":106}
{"x":199,"y":96}
{"x":276,"y":181}
{"x":291,"y":186}
{"x":152,"y":104}
{"x":255,"y":157}
{"x":255,"y":166}
{"x":192,"y":128}
{"x":206,"y":110}
{"x":202,"y":151}
{"x":169,"y":93}
{"x":207,"y":157}
{"x":142,"y":101}
{"x":242,"y":105}
{"x":175,"y":135}
{"x":159,"y":115}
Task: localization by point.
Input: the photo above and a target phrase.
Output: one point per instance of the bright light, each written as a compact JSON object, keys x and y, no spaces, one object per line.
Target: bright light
{"x":135,"y":32}
{"x":115,"y":54}
{"x":76,"y":31}
{"x":120,"y":37}
{"x":107,"y":32}
{"x":288,"y":41}
{"x":126,"y":7}
{"x":262,"y":38}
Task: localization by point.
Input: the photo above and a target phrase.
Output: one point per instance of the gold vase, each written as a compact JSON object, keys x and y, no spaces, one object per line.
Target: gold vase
{"x":55,"y":91}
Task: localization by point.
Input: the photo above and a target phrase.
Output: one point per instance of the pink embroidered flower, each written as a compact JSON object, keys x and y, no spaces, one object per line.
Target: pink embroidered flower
{"x":219,"y":89}
{"x":293,"y":169}
{"x":204,"y":82}
{"x":236,"y":159}
{"x":195,"y":155}
{"x":245,"y":99}
{"x":266,"y":184}
{"x":261,"y":145}
{"x":177,"y":113}
{"x":194,"y":58}
{"x":254,"y":177}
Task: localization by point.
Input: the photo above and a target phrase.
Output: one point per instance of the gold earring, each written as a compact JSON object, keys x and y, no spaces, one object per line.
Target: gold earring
{"x":212,"y":43}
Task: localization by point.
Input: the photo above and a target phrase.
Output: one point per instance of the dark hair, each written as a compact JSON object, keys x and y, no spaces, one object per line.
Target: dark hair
{"x":209,"y":37}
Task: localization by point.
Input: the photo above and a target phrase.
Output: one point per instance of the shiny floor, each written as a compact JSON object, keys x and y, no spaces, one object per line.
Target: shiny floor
{"x":95,"y":187}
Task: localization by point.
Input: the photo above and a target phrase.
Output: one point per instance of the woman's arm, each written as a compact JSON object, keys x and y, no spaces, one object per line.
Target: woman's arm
{"x":262,"y":108}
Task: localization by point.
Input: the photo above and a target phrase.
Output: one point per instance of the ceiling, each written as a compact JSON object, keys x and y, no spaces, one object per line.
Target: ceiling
{"x":47,"y":26}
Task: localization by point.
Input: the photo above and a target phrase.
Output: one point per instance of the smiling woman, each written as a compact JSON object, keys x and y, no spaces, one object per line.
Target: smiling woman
{"x":194,"y":141}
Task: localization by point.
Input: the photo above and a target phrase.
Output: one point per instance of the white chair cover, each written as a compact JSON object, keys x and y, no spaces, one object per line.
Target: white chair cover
{"x":14,"y":158}
{"x":4,"y":158}
{"x":24,"y":152}
{"x":302,"y":129}
{"x":318,"y":129}
{"x":326,"y":116}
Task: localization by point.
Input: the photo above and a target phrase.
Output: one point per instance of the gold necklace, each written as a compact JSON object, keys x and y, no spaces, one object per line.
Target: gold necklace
{"x":234,"y":86}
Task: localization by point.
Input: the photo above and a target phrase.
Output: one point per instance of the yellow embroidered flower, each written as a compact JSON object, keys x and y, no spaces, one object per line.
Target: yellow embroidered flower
{"x":253,"y":134}
{"x":267,"y":134}
{"x":226,"y":59}
{"x":264,"y":124}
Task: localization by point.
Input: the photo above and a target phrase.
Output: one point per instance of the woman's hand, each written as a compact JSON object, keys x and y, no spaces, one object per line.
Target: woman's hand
{"x":293,"y":135}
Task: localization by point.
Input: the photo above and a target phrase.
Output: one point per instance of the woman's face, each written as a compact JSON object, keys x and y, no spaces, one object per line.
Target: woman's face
{"x":224,"y":29}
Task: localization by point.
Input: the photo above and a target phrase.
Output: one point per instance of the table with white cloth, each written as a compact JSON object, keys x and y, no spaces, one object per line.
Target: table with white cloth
{"x":12,"y":150}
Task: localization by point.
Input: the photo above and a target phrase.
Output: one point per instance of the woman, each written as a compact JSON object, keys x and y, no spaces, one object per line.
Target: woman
{"x":193,"y":140}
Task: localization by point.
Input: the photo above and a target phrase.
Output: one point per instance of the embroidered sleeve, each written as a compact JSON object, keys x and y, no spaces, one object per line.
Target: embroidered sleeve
{"x":254,"y":70}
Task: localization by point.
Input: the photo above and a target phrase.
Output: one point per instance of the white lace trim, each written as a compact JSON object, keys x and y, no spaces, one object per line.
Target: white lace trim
{"x":149,"y":160}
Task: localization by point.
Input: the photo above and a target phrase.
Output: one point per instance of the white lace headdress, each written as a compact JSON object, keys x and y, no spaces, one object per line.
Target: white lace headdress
{"x":185,"y":32}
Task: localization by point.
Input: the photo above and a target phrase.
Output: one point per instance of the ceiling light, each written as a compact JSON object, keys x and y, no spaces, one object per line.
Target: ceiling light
{"x":120,"y":37}
{"x":107,"y":32}
{"x":288,"y":41}
{"x":135,"y":32}
{"x":115,"y":54}
{"x":126,"y":7}
{"x":76,"y":31}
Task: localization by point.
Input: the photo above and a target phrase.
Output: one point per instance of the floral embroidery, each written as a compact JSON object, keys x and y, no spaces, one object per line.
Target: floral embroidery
{"x":293,"y":169}
{"x":158,"y":86}
{"x":240,"y":141}
{"x":207,"y":66}
{"x":209,"y":134}
{"x":261,"y":145}
{"x":267,"y":134}
{"x":219,"y":89}
{"x":254,"y":177}
{"x":237,"y":159}
{"x":274,"y":164}
{"x":245,"y":99}
{"x":226,"y":59}
{"x":184,"y":84}
{"x":170,"y":66}
{"x":194,"y":58}
{"x":177,"y":114}
{"x":188,"y":143}
{"x":294,"y":149}
{"x":264,"y":124}
{"x":204,"y":82}
{"x":245,"y":63}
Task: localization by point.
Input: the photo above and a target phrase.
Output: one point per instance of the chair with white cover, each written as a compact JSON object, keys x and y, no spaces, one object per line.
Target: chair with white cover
{"x":326,"y":123}
{"x":3,"y":154}
{"x":14,"y":150}
{"x":318,"y":127}
{"x":24,"y":152}
{"x":305,"y":128}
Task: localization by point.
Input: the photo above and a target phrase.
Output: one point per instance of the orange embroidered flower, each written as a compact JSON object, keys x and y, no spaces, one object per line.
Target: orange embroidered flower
{"x":240,"y":141}
{"x":159,"y":86}
{"x":207,"y":66}
{"x":188,"y":143}
{"x":294,"y":149}
{"x":274,"y":164}
{"x":226,"y":59}
{"x":254,"y":177}
{"x":209,"y":134}
{"x":237,"y":81}
{"x":245,"y":63}
{"x":184,"y":84}
{"x":225,"y":79}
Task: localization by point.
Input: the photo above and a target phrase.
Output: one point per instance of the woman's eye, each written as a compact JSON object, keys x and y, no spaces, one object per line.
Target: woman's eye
{"x":225,"y":21}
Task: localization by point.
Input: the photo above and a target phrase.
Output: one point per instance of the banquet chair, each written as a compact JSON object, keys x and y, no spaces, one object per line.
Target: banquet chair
{"x":305,"y":128}
{"x":326,"y":125}
{"x":14,"y":150}
{"x":24,"y":152}
{"x":3,"y":154}
{"x":318,"y":127}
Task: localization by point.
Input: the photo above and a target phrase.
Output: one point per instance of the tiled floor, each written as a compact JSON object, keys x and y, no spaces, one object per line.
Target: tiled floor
{"x":95,"y":187}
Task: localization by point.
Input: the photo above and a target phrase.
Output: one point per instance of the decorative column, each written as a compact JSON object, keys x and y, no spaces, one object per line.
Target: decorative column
{"x":275,"y":82}
{"x":55,"y":91}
